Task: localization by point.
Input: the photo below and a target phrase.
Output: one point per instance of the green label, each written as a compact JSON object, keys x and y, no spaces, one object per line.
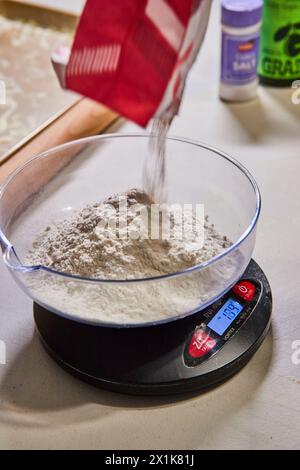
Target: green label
{"x":279,"y":56}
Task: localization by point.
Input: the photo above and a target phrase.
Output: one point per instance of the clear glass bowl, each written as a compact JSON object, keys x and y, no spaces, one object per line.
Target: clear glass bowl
{"x":64,"y":179}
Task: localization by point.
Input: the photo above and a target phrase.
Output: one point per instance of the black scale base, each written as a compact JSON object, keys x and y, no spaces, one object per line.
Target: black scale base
{"x":151,"y":360}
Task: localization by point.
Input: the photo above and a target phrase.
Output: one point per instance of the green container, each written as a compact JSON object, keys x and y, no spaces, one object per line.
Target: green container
{"x":279,"y":55}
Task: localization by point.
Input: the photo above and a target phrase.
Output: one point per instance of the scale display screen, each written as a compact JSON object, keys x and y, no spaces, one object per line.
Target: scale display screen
{"x":225,"y":316}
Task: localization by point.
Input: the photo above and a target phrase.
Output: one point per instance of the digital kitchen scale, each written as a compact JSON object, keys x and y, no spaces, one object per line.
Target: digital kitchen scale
{"x":194,"y":353}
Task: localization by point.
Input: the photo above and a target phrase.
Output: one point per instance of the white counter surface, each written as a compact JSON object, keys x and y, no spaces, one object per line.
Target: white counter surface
{"x":41,"y":406}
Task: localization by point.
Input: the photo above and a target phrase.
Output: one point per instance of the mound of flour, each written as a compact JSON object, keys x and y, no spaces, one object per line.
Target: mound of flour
{"x":86,"y":245}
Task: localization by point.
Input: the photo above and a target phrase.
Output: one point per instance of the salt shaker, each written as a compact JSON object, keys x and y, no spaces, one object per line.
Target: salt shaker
{"x":241,"y":22}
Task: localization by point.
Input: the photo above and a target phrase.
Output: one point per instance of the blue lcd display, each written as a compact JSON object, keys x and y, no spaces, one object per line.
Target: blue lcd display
{"x":225,"y":316}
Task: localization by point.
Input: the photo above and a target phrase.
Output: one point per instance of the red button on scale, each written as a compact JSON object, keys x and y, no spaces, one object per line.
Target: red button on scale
{"x":201,"y":344}
{"x":244,"y":289}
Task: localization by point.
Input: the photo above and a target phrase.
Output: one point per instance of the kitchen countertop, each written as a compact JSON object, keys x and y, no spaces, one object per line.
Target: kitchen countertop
{"x":41,"y":406}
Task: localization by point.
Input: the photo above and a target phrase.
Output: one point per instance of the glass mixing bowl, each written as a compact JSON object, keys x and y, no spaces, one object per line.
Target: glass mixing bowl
{"x":64,"y":179}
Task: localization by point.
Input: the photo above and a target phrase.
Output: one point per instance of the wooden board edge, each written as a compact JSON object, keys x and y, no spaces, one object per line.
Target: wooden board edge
{"x":84,"y":119}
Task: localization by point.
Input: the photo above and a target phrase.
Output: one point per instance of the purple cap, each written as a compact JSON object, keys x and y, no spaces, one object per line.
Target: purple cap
{"x":241,"y":13}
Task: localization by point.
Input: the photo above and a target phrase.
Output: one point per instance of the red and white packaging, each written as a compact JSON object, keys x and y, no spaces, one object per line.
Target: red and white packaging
{"x":134,"y":55}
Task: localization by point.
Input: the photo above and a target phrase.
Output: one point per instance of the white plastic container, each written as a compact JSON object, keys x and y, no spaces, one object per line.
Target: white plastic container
{"x":241,"y":22}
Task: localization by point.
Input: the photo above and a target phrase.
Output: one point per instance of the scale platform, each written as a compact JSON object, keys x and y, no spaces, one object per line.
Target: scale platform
{"x":191,"y":354}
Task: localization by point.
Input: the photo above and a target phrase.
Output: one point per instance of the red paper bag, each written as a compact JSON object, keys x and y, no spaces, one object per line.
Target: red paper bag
{"x":134,"y":55}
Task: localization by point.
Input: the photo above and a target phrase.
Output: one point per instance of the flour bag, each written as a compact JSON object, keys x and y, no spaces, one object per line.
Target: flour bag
{"x":134,"y":55}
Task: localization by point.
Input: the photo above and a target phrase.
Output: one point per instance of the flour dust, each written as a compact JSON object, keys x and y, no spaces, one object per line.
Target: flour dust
{"x":154,"y":171}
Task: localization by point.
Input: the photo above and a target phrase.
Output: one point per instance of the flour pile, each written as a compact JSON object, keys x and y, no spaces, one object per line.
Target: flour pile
{"x":89,"y":244}
{"x":92,"y":243}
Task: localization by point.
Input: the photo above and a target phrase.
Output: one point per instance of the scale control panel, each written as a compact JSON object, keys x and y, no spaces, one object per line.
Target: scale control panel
{"x":221,"y":321}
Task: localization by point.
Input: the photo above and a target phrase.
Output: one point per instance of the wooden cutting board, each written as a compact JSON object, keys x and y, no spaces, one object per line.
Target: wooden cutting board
{"x":85,"y":118}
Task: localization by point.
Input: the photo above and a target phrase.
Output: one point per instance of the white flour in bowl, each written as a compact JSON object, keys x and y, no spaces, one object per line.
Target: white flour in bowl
{"x":92,"y":244}
{"x":89,"y":245}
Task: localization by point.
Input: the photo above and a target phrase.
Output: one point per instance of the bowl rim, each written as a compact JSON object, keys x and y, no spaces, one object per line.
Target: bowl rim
{"x":8,"y":247}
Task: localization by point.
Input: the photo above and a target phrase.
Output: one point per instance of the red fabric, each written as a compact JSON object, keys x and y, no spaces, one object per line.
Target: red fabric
{"x":146,"y":62}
